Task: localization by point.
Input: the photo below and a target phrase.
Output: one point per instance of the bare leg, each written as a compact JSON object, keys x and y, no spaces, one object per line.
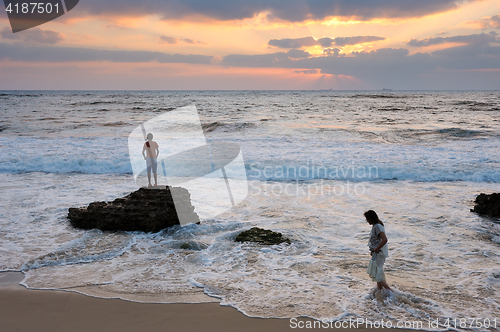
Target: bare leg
{"x":156,"y":179}
{"x":149,"y":179}
{"x":383,"y":284}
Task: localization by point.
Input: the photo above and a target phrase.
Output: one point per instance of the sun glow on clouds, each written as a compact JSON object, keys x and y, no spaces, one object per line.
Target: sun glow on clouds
{"x":336,"y":21}
{"x":195,"y":34}
{"x":156,"y":76}
{"x":432,"y":48}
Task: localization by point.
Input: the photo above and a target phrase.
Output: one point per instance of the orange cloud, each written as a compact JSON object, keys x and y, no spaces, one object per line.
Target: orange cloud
{"x":484,"y":23}
{"x":156,"y":76}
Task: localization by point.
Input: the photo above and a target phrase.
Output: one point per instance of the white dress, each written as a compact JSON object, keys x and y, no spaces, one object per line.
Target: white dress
{"x":376,"y":264}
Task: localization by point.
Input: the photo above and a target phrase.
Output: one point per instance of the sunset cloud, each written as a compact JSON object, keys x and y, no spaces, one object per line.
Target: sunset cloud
{"x":343,"y":41}
{"x":465,"y":39}
{"x":74,"y":54}
{"x":374,"y":43}
{"x":308,"y":71}
{"x":484,"y":23}
{"x":34,"y":35}
{"x":324,"y":42}
{"x":396,"y":68}
{"x":293,"y":42}
{"x":292,"y":11}
{"x":278,"y":59}
{"x":168,"y":40}
{"x":173,"y":40}
{"x":301,"y":59}
{"x":383,"y":52}
{"x":469,"y":51}
{"x":333,"y":52}
{"x":390,"y":67}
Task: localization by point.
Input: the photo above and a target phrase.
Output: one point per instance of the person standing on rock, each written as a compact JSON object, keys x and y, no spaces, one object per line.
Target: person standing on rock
{"x":152,"y":151}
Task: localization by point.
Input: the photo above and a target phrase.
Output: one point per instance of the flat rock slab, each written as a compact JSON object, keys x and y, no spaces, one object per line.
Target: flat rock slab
{"x":261,"y":236}
{"x":146,"y":210}
{"x":487,"y":205}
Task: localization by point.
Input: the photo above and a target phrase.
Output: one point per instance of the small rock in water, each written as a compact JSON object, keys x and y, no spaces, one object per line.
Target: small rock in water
{"x":191,"y":245}
{"x":488,"y":205}
{"x":262,"y":236}
{"x":147,"y":210}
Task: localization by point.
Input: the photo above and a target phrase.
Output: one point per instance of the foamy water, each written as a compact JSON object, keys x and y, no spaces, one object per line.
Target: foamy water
{"x":315,"y":162}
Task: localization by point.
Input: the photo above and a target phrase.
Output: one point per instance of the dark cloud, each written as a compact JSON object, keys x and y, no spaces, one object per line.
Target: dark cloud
{"x":291,"y":10}
{"x":70,"y":54}
{"x":298,"y":54}
{"x":492,"y":50}
{"x":324,"y":42}
{"x":292,"y":58}
{"x":475,"y":45}
{"x":495,"y":21}
{"x":278,"y":59}
{"x":389,"y":67}
{"x":168,"y":40}
{"x":173,"y":40}
{"x":343,"y":41}
{"x":370,"y":66}
{"x":417,"y":71}
{"x":308,"y":71}
{"x":481,"y":38}
{"x":333,"y":52}
{"x":34,"y":35}
{"x":468,"y":51}
{"x":383,"y":52}
{"x":293,"y":43}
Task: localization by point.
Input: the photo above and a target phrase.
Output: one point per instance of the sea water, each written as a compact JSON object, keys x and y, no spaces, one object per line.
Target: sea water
{"x":315,"y":161}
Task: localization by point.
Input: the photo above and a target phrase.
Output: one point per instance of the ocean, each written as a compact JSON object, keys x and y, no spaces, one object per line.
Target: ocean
{"x":315,"y":162}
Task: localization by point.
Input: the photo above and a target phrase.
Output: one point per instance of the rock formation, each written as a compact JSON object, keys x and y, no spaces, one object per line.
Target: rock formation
{"x":262,"y":236}
{"x":488,"y":205}
{"x":147,"y":210}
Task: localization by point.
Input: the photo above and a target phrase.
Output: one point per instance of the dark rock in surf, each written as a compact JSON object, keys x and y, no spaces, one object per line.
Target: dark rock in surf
{"x":146,"y":210}
{"x":487,"y":205}
{"x":261,"y":236}
{"x":191,"y":245}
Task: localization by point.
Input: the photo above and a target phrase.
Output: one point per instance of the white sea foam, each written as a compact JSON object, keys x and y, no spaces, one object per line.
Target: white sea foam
{"x":428,"y":163}
{"x":474,"y":162}
{"x":68,"y":155}
{"x":92,"y":246}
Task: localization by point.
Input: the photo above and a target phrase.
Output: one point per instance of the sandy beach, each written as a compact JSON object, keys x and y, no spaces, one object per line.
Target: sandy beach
{"x":25,"y":310}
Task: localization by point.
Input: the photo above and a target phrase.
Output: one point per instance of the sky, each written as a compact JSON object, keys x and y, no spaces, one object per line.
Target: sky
{"x":258,"y":45}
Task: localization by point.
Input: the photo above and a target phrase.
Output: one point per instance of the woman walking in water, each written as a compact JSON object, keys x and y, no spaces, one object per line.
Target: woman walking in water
{"x":378,"y":250}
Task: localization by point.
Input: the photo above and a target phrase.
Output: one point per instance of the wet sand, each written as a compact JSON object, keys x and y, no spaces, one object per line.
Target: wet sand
{"x":27,"y":310}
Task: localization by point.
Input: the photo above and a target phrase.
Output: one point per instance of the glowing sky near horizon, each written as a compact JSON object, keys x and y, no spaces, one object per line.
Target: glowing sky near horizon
{"x":192,"y":45}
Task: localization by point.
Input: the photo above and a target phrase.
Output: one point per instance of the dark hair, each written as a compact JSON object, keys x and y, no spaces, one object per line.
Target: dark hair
{"x":372,"y":218}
